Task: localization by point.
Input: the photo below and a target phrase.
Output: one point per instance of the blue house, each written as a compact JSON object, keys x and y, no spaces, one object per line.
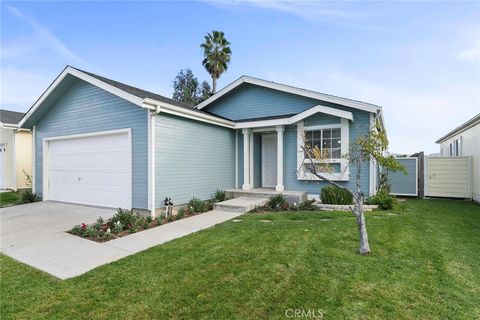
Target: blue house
{"x":101,"y":142}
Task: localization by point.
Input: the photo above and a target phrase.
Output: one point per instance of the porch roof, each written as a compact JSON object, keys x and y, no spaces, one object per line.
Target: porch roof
{"x":291,"y":119}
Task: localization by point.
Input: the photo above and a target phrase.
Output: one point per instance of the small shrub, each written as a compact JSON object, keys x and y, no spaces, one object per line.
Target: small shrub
{"x":28,"y":196}
{"x":277,"y":202}
{"x":335,"y":195}
{"x":125,"y":217}
{"x":77,"y":230}
{"x":117,"y":227}
{"x":209,"y":205}
{"x":90,"y":232}
{"x":307,"y":206}
{"x":107,"y":236}
{"x":99,"y":224}
{"x":180,"y":213}
{"x":149,"y":219}
{"x":196,"y":205}
{"x":219,"y":196}
{"x":383,"y":200}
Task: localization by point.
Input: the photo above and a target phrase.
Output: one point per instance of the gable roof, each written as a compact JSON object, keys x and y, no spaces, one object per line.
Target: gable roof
{"x":10,"y":117}
{"x":293,"y":90}
{"x":137,"y":91}
{"x":466,"y":125}
{"x":137,"y":96}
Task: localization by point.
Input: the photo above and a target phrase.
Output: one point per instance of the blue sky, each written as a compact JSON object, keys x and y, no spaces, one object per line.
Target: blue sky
{"x":419,"y":60}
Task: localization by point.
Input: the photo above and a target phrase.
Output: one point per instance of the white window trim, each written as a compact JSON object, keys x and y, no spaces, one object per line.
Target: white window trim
{"x":344,"y":174}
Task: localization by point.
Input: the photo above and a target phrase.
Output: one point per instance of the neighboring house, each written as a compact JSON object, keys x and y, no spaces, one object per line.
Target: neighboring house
{"x":15,"y":151}
{"x":101,"y":142}
{"x":465,"y":141}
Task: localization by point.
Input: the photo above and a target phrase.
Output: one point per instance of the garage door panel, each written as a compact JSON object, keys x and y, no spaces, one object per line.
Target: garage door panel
{"x":91,"y":170}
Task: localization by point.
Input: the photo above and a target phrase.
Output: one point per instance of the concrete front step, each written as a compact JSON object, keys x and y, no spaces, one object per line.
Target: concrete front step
{"x":240,"y":204}
{"x":291,"y":196}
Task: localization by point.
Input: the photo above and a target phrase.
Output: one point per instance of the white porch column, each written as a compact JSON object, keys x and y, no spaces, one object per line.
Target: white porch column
{"x":280,"y":186}
{"x":246,"y":160}
{"x":251,"y":160}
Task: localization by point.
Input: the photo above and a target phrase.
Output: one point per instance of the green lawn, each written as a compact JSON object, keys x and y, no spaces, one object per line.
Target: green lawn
{"x":9,"y":198}
{"x":425,"y":264}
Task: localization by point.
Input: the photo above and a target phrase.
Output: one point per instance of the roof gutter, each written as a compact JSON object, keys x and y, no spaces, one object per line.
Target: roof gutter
{"x":467,"y":125}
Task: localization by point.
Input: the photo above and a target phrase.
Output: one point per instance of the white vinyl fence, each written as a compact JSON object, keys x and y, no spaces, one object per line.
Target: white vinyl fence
{"x":448,"y":177}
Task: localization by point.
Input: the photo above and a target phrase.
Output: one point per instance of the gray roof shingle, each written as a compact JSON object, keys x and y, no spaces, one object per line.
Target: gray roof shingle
{"x":12,"y":117}
{"x":146,"y":94}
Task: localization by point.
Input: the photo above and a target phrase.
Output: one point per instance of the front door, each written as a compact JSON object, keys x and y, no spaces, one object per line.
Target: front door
{"x":269,"y":160}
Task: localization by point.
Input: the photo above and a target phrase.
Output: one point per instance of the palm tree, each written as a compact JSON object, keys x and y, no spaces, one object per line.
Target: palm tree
{"x":216,"y":54}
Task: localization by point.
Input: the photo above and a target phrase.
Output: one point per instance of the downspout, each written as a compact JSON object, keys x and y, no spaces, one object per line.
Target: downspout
{"x":153,"y":115}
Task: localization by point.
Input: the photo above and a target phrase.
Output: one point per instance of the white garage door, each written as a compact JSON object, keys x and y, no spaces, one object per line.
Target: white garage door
{"x":94,"y":170}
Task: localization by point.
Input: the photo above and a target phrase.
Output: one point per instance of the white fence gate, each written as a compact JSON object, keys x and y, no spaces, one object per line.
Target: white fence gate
{"x":448,"y":177}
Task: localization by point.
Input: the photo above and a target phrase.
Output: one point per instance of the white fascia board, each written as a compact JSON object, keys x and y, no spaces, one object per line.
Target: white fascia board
{"x":105,"y":86}
{"x":190,"y":114}
{"x":289,"y":89}
{"x":8,"y":125}
{"x":262,"y":123}
{"x":83,"y":76}
{"x":322,"y":109}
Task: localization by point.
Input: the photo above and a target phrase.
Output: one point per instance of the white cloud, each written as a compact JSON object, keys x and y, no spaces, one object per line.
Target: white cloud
{"x":46,"y":36}
{"x":470,"y":54}
{"x":311,"y":10}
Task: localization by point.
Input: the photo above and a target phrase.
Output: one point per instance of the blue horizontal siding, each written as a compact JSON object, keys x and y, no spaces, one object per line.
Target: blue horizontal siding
{"x":85,"y":108}
{"x":192,"y":159}
{"x":321,"y":119}
{"x":250,"y":101}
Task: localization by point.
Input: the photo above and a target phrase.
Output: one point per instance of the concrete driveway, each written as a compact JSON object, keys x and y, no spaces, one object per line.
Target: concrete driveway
{"x":35,"y":234}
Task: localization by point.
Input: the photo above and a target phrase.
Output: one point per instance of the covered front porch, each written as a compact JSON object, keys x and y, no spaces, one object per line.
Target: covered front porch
{"x":263,"y":158}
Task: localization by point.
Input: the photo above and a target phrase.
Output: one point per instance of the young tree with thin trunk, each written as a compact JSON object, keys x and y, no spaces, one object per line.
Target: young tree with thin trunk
{"x":216,"y":54}
{"x":372,"y":145}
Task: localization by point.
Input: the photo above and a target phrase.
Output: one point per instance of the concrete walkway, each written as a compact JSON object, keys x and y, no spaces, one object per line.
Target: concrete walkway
{"x":35,"y":234}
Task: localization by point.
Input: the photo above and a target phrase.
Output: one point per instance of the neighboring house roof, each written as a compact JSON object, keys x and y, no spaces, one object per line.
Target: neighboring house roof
{"x":468,"y":124}
{"x":293,"y":90}
{"x":139,"y":97}
{"x":10,"y":117}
